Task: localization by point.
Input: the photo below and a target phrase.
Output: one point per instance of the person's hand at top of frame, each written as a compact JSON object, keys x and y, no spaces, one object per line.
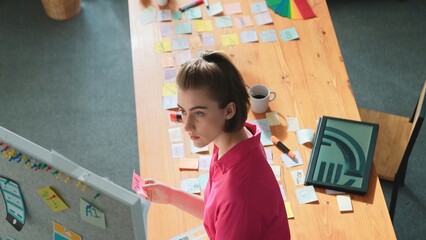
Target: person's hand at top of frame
{"x":157,"y":192}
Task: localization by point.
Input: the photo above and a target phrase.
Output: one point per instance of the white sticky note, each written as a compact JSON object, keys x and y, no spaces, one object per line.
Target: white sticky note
{"x":195,"y":149}
{"x":215,"y":9}
{"x":289,"y":34}
{"x":243,"y":21}
{"x":344,"y":202}
{"x":169,"y":102}
{"x":268,"y":153}
{"x":204,"y":162}
{"x":306,"y":195}
{"x":232,"y":8}
{"x":283,"y":192}
{"x":175,"y":135}
{"x":182,"y":57}
{"x":305,"y":136}
{"x":292,"y":124}
{"x":298,"y":177}
{"x":249,"y":36}
{"x":266,"y":134}
{"x":290,"y":162}
{"x":208,"y":39}
{"x":178,"y":150}
{"x":263,"y":18}
{"x":190,"y":185}
{"x":164,"y":15}
{"x":277,"y":171}
{"x":258,"y":7}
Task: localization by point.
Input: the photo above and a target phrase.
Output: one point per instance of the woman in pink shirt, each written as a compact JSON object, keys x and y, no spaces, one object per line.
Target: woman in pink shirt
{"x":242,"y":199}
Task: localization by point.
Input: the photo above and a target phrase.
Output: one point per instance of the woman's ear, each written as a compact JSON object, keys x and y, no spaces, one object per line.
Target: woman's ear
{"x":230,"y":110}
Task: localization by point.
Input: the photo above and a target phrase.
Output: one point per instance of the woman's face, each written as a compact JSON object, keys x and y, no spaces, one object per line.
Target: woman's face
{"x":203,"y":119}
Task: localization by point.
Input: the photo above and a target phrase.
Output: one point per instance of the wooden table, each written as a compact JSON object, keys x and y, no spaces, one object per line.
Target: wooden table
{"x":310,"y":79}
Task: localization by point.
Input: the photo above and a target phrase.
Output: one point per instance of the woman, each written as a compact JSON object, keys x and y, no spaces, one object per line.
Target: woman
{"x":242,"y":199}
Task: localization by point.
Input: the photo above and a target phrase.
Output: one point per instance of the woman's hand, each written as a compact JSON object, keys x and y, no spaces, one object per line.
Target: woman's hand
{"x":158,"y":192}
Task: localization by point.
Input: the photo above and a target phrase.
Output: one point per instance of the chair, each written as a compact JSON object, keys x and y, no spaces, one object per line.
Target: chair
{"x":395,"y":141}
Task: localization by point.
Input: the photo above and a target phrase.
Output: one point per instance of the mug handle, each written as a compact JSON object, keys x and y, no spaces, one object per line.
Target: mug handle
{"x":272,"y":95}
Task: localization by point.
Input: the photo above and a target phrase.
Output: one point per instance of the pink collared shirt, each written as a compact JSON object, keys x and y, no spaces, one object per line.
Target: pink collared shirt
{"x":242,"y":198}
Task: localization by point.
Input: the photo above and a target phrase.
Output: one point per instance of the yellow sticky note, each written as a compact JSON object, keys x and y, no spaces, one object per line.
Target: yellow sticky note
{"x":188,"y":163}
{"x":229,"y":39}
{"x":163,"y":46}
{"x":52,"y":199}
{"x":288,"y":209}
{"x":203,"y":25}
{"x":169,"y":89}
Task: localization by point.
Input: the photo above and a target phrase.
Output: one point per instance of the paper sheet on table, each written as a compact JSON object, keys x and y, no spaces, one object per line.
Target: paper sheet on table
{"x":306,"y":195}
{"x":268,"y":36}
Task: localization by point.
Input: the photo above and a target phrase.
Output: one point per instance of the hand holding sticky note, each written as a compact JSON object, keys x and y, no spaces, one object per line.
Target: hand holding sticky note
{"x":137,"y":183}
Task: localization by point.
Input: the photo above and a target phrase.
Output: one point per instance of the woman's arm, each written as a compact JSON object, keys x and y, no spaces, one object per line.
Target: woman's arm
{"x":161,"y":193}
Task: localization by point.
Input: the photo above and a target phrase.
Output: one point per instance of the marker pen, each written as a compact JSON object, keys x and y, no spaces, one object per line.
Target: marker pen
{"x":283,"y":148}
{"x":190,"y":5}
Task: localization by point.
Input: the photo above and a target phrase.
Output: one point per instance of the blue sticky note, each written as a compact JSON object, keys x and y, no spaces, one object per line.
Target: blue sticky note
{"x":180,"y":43}
{"x":194,"y":13}
{"x":183,"y":28}
{"x":268,"y":36}
{"x":289,"y":34}
{"x":177,"y":15}
{"x":223,"y":21}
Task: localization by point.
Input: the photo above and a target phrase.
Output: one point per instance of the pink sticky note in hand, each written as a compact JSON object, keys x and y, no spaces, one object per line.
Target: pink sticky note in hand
{"x":137,"y":183}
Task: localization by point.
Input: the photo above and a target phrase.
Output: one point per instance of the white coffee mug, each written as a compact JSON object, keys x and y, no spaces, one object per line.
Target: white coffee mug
{"x":260,"y":96}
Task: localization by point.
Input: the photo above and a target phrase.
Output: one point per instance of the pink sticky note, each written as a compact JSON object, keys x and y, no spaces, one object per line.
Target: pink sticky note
{"x":137,"y":183}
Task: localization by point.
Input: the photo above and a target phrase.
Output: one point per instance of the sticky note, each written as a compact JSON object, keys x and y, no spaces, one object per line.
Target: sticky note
{"x":243,"y":21}
{"x":344,"y":202}
{"x":190,"y":185}
{"x":180,"y":43}
{"x":263,"y":18}
{"x":52,"y":199}
{"x":248,"y":36}
{"x":292,"y":124}
{"x":177,"y":15}
{"x":268,"y":36}
{"x":266,"y":134}
{"x":203,"y":179}
{"x":175,"y":134}
{"x":169,"y":89}
{"x":182,"y":57}
{"x":195,"y":41}
{"x":169,"y":74}
{"x":273,"y":118}
{"x":164,"y":15}
{"x":223,"y":21}
{"x":284,"y":196}
{"x":167,"y":60}
{"x":61,"y":232}
{"x":229,"y":39}
{"x":163,"y":46}
{"x":258,"y":7}
{"x":178,"y":150}
{"x":188,"y":163}
{"x":305,"y":136}
{"x":166,"y":29}
{"x":208,"y":39}
{"x":203,"y":25}
{"x":147,"y":15}
{"x":306,"y":195}
{"x":298,"y":177}
{"x":169,"y":102}
{"x":193,"y":13}
{"x":195,"y":149}
{"x":92,"y":214}
{"x":288,"y":209}
{"x":215,"y":9}
{"x":232,"y":8}
{"x":137,"y":183}
{"x":268,"y":153}
{"x":289,"y":34}
{"x":204,"y":162}
{"x":276,"y":169}
{"x":183,"y":28}
{"x":290,"y":162}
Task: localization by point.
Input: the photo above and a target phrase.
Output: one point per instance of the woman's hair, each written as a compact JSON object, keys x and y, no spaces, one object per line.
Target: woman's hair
{"x":215,"y":72}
